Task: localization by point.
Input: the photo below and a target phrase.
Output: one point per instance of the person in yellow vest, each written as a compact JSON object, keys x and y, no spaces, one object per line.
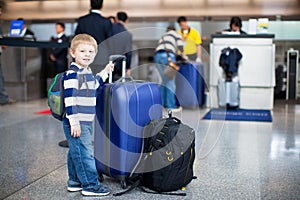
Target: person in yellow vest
{"x":191,"y":38}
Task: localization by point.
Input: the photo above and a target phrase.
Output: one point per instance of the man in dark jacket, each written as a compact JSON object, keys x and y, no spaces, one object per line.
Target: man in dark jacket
{"x":94,"y":23}
{"x":59,"y":55}
{"x":122,"y":41}
{"x":98,"y":27}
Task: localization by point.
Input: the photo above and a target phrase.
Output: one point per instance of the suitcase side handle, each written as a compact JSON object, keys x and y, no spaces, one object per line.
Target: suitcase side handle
{"x":128,"y":79}
{"x":125,"y":79}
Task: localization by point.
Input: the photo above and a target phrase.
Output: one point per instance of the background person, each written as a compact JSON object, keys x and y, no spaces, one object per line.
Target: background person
{"x":59,"y":55}
{"x":235,"y":25}
{"x":94,"y":23}
{"x":191,"y":38}
{"x":4,"y":98}
{"x":26,"y":33}
{"x":100,"y":28}
{"x":169,"y":43}
{"x":122,"y":41}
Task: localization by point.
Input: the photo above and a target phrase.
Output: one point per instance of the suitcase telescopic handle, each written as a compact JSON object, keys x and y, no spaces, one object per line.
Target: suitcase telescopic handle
{"x":115,"y":58}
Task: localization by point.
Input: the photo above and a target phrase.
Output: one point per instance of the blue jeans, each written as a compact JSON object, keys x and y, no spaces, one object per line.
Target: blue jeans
{"x":168,"y":87}
{"x":81,"y":163}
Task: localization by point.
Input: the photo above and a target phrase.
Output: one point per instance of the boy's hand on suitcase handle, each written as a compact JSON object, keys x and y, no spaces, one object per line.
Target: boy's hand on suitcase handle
{"x":109,"y":67}
{"x":75,"y":130}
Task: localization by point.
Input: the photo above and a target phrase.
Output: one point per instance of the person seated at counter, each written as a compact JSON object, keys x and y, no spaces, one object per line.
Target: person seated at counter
{"x":235,"y":26}
{"x":27,"y":34}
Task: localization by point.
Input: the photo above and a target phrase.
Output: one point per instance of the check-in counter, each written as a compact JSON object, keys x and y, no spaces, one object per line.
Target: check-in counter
{"x":24,"y":68}
{"x":256,"y":70}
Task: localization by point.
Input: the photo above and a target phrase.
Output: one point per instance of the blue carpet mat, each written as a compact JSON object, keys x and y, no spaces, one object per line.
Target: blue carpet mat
{"x":239,"y":115}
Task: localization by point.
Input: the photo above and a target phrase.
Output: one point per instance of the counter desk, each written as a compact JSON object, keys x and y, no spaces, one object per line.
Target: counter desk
{"x":24,"y":67}
{"x":256,"y":70}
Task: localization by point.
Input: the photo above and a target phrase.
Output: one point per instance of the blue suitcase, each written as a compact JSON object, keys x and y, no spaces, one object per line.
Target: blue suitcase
{"x":122,"y":110}
{"x":190,"y":85}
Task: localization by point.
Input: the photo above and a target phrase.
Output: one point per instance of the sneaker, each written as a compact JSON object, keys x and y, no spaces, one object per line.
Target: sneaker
{"x":74,"y":188}
{"x":102,"y":191}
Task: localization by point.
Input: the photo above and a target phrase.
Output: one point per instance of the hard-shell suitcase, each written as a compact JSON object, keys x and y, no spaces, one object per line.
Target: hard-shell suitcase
{"x":190,"y":85}
{"x":123,"y":108}
{"x":228,"y":93}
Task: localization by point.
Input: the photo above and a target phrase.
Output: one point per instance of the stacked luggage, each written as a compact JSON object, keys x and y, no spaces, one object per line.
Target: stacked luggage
{"x":129,"y":129}
{"x":228,"y":86}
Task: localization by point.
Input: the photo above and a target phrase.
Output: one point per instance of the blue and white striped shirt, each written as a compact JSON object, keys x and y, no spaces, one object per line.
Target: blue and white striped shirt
{"x":80,"y":94}
{"x":170,"y":41}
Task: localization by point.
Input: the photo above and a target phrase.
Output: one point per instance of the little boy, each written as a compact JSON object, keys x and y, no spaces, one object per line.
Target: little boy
{"x":80,"y":100}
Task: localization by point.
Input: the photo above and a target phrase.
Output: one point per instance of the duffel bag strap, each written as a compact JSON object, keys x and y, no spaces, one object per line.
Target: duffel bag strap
{"x":133,"y":186}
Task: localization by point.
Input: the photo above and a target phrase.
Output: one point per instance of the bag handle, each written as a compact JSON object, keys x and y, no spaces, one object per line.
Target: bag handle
{"x":178,"y":121}
{"x":128,"y":79}
{"x":125,"y":79}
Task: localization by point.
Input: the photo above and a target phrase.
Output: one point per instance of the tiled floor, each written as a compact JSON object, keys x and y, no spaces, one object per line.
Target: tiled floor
{"x":235,"y":160}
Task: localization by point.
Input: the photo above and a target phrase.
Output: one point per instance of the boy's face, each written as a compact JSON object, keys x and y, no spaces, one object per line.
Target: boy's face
{"x":84,"y":54}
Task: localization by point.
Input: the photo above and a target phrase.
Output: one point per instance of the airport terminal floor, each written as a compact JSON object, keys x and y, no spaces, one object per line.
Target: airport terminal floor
{"x":234,"y":159}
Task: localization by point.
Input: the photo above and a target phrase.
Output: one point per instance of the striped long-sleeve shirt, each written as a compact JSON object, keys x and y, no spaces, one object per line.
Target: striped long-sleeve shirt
{"x":80,"y":94}
{"x":170,"y":41}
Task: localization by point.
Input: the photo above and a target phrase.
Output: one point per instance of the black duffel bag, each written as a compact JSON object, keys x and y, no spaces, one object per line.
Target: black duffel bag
{"x":168,"y":157}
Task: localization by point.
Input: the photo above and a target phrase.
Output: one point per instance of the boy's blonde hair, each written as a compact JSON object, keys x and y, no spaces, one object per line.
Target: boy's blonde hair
{"x":83,"y":39}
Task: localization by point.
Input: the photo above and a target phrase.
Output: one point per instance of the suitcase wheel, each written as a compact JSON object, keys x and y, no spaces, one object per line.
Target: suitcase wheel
{"x":101,"y":177}
{"x":123,"y":184}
